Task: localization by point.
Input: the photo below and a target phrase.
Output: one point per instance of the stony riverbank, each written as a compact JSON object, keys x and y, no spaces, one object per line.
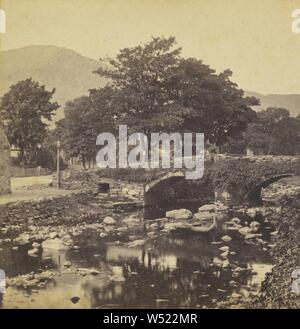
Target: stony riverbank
{"x":279,"y":289}
{"x":217,"y":256}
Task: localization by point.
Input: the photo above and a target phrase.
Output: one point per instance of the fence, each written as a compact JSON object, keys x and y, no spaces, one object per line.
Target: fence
{"x":27,"y":172}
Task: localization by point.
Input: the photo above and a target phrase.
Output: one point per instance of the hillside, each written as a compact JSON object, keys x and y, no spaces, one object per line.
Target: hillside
{"x":69,"y":72}
{"x":290,"y":102}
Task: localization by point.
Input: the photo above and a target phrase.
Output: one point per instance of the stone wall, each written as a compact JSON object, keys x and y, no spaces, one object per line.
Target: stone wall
{"x":4,"y":163}
{"x":91,"y":179}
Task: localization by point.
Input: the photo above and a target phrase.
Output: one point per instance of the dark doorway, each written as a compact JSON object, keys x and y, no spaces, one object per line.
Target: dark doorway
{"x":103,"y":188}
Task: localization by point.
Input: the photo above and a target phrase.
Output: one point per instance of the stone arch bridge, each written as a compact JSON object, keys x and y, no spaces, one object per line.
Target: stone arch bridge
{"x":235,"y":179}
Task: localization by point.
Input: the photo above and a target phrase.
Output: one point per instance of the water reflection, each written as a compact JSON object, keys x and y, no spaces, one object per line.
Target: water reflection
{"x":170,"y":271}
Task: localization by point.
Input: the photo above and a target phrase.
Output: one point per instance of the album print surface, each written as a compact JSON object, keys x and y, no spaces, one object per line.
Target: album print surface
{"x":149,"y":155}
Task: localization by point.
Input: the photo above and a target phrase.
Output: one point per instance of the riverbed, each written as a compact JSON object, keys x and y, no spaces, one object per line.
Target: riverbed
{"x":133,"y":264}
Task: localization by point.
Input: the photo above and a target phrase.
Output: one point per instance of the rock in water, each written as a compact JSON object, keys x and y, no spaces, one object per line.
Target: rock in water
{"x":179,"y":214}
{"x":224,"y":248}
{"x":55,"y":244}
{"x":207,"y":208}
{"x":174,"y":226}
{"x":36,"y":245}
{"x":109,"y":220}
{"x":23,"y":238}
{"x":251,"y":212}
{"x":245,"y":230}
{"x":236,"y":220}
{"x":33,"y":252}
{"x":203,"y":216}
{"x":226,"y":238}
{"x":53,"y":235}
{"x":255,"y":226}
{"x":137,"y":243}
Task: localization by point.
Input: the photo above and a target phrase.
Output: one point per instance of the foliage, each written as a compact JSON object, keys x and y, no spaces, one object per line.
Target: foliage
{"x":85,"y":118}
{"x":24,"y":110}
{"x":155,"y":90}
{"x":274,"y":132}
{"x":231,"y":174}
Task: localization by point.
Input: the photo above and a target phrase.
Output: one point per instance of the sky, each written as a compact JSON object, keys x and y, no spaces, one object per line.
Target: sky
{"x":253,"y":38}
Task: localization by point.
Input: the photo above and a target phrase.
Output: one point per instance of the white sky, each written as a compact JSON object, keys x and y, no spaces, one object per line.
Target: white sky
{"x":251,"y":37}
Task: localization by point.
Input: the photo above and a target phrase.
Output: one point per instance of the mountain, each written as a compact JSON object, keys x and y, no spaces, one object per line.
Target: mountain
{"x":289,"y":101}
{"x":72,"y":76}
{"x":61,"y":68}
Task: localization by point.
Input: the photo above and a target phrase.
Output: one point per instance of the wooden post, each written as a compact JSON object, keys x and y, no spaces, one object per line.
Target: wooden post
{"x":58,"y":164}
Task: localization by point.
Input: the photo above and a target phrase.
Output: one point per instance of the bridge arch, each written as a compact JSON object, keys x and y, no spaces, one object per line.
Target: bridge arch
{"x":254,"y":196}
{"x":170,"y":190}
{"x":165,"y":177}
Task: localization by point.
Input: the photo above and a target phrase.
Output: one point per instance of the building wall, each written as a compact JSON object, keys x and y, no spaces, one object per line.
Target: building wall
{"x":4,"y":163}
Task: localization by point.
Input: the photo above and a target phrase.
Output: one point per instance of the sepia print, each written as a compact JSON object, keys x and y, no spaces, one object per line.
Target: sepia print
{"x":149,"y":154}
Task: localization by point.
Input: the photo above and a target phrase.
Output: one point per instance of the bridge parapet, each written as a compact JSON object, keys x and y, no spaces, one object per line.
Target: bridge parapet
{"x":258,"y":158}
{"x":239,"y":179}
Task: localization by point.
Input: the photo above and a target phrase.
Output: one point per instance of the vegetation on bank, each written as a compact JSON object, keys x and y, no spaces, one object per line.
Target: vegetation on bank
{"x":276,"y":291}
{"x":231,"y":174}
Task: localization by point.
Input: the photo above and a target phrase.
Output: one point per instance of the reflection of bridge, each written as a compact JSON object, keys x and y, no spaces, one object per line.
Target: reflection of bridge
{"x":248,"y":175}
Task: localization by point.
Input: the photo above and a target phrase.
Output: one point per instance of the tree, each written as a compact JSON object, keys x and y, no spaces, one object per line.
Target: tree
{"x":85,"y":118}
{"x":25,"y":109}
{"x":155,"y":90}
{"x":274,"y":132}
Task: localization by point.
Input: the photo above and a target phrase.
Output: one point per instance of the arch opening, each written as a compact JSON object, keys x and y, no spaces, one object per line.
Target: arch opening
{"x":264,"y":192}
{"x":175,"y":192}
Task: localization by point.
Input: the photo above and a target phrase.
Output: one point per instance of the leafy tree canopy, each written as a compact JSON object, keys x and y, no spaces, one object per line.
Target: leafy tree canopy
{"x":156,"y":89}
{"x":25,"y":110}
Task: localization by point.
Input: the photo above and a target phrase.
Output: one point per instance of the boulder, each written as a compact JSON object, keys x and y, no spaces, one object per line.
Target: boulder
{"x":226,"y":238}
{"x":23,"y":239}
{"x":55,"y":244}
{"x":245,"y":230}
{"x":203,"y":216}
{"x":225,"y":264}
{"x":109,"y":221}
{"x":224,"y":248}
{"x":251,"y":212}
{"x":236,"y":220}
{"x":137,"y":243}
{"x":207,"y":208}
{"x":179,"y":214}
{"x":217,"y":262}
{"x":174,"y":226}
{"x":33,"y":252}
{"x":131,"y":220}
{"x":274,"y":233}
{"x":251,"y":236}
{"x":254,"y":226}
{"x":225,"y":254}
{"x":53,"y":235}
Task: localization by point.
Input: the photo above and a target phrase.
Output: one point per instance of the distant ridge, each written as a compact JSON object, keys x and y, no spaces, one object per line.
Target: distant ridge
{"x":289,"y":101}
{"x":72,"y":76}
{"x":66,"y":70}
